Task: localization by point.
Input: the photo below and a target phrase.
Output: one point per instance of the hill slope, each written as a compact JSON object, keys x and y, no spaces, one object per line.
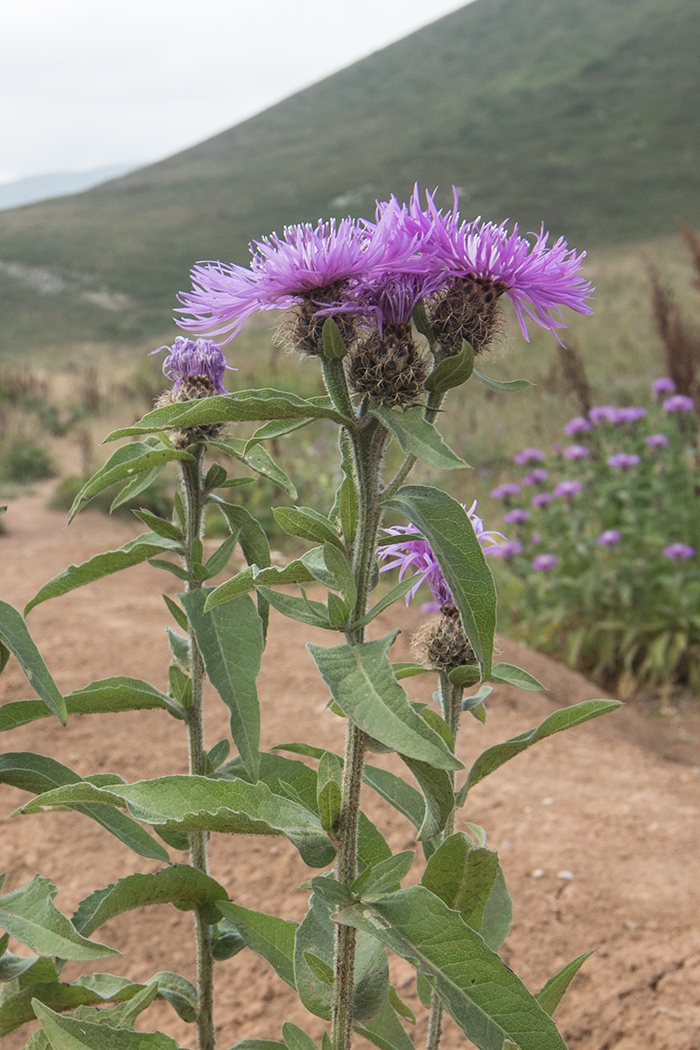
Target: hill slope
{"x":583,"y":115}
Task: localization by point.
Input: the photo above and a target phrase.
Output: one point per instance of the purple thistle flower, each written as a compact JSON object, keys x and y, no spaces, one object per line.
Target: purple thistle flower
{"x":528,"y":455}
{"x":663,"y":385}
{"x":536,"y":538}
{"x":578,"y":425}
{"x":536,"y":476}
{"x":508,"y":550}
{"x":195,"y":357}
{"x":576,"y":452}
{"x":630,"y":414}
{"x":418,"y":555}
{"x":609,"y":538}
{"x":657,"y":441}
{"x":538,"y":280}
{"x":508,"y":488}
{"x":516,"y":516}
{"x":603,"y":414}
{"x":568,"y":488}
{"x":623,"y":460}
{"x":387,"y":297}
{"x":679,"y":403}
{"x":544,"y":562}
{"x":677,"y":551}
{"x":541,"y":499}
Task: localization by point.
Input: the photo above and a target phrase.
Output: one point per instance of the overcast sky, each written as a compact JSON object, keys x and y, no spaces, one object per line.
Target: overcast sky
{"x":89,"y":83}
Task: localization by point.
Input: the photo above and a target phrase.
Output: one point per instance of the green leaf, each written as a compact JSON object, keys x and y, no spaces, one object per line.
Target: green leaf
{"x":17,"y":639}
{"x":266,"y":935}
{"x":226,"y":941}
{"x":176,"y":612}
{"x":462,"y":876}
{"x":338,"y":611}
{"x":553,"y":991}
{"x":258,"y":1044}
{"x":253,"y":542}
{"x":566,"y":718}
{"x":295,"y":1038}
{"x":514,"y":386}
{"x":407,"y":669}
{"x":386,"y":877}
{"x":498,"y":914}
{"x":134,"y":552}
{"x":160,"y":526}
{"x":13,"y":966}
{"x":218,"y":561}
{"x":397,"y":793}
{"x":247,"y":580}
{"x":191,"y":803}
{"x":30,"y":915}
{"x":452,"y":371}
{"x":401,"y":588}
{"x":230,"y":639}
{"x":67,"y":1033}
{"x":244,"y":405}
{"x":329,"y":790}
{"x":316,"y":935}
{"x":333,"y":346}
{"x":307,"y":523}
{"x":278,"y":428}
{"x":486,"y":999}
{"x":315,"y":562}
{"x":509,"y":674}
{"x":178,"y":884}
{"x":438,"y":793}
{"x":385,"y":1030}
{"x":337,"y":564}
{"x":361,"y":680}
{"x":136,"y":486}
{"x":447,"y":528}
{"x":417,"y":437}
{"x":465,"y":676}
{"x":38,"y":774}
{"x":302,"y":609}
{"x":123,"y":465}
{"x":422,"y":321}
{"x":276,"y":770}
{"x":400,"y":1006}
{"x":259,"y":460}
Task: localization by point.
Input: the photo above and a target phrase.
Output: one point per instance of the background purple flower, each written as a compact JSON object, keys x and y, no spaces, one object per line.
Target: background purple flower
{"x":528,"y":455}
{"x":578,"y":425}
{"x":657,"y":441}
{"x":630,"y":414}
{"x":507,"y":489}
{"x":568,"y":488}
{"x":677,"y":551}
{"x":508,"y":550}
{"x":576,"y":452}
{"x":663,"y":385}
{"x":536,"y":476}
{"x":541,"y":499}
{"x":544,"y":562}
{"x":609,"y":538}
{"x":623,"y":460}
{"x":603,"y":414}
{"x":679,"y":403}
{"x":514,"y":517}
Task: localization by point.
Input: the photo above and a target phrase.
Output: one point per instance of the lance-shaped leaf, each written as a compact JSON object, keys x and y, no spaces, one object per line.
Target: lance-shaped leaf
{"x":499,"y":386}
{"x":509,"y":674}
{"x":68,"y":1033}
{"x":15,"y":638}
{"x":190,"y":803}
{"x":30,"y":915}
{"x":230,"y":639}
{"x":37,"y":773}
{"x":252,"y":540}
{"x":566,"y":718}
{"x":307,"y":523}
{"x":417,"y":437}
{"x":397,"y":793}
{"x":486,"y":999}
{"x":107,"y":695}
{"x":303,"y":609}
{"x":259,"y":460}
{"x":452,"y":371}
{"x":439,"y":796}
{"x":134,"y":552}
{"x":136,"y":486}
{"x":244,"y":405}
{"x":362,"y":681}
{"x":248,"y":579}
{"x":553,"y":991}
{"x":179,"y":884}
{"x":447,"y":528}
{"x":316,"y":938}
{"x":385,"y":1030}
{"x":267,"y":935}
{"x":123,"y":465}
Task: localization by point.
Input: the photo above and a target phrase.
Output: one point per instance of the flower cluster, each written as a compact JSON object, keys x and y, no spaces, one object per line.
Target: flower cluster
{"x":370,"y":275}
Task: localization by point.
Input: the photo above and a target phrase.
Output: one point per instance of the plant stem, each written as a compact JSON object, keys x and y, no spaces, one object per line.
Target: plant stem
{"x":192,"y":495}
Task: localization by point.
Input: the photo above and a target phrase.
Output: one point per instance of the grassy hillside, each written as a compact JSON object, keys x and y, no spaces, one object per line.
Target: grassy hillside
{"x":582,"y":114}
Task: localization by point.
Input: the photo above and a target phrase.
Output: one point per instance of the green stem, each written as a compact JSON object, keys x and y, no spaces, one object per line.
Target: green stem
{"x":192,"y":485}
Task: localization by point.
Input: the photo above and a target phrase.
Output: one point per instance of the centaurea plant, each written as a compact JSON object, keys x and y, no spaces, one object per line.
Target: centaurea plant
{"x":394,"y":309}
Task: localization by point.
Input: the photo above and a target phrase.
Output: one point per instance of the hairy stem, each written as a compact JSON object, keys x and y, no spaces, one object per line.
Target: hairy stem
{"x":192,"y":476}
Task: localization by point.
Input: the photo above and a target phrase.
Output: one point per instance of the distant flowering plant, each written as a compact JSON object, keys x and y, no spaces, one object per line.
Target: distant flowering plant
{"x":623,"y":527}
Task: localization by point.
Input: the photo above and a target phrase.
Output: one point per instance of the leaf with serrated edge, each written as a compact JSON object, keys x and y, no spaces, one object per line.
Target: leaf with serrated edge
{"x":17,"y":639}
{"x":361,"y":680}
{"x":452,"y":539}
{"x":417,"y":437}
{"x":29,"y":914}
{"x":230,"y":639}
{"x":191,"y":803}
{"x":486,"y":999}
{"x":565,"y":718}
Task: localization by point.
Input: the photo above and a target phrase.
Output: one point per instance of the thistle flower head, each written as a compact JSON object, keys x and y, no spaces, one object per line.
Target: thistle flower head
{"x":679,"y":403}
{"x":544,"y":562}
{"x":609,"y":538}
{"x":577,"y":425}
{"x":568,"y":488}
{"x":195,"y":359}
{"x":679,"y":551}
{"x":575,"y":452}
{"x":417,"y":554}
{"x":623,"y":460}
{"x":657,"y":441}
{"x":663,"y":385}
{"x":528,"y":455}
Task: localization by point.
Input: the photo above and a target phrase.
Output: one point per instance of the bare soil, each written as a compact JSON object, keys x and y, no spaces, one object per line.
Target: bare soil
{"x":597,"y":828}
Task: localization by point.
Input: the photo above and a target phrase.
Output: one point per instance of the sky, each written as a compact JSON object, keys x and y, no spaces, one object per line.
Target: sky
{"x":90,"y":83}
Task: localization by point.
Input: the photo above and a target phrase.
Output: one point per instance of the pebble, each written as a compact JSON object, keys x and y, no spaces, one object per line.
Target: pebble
{"x":538,"y":873}
{"x":565,"y":874}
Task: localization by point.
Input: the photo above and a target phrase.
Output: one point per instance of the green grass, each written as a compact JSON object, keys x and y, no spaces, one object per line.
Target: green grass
{"x":582,"y":115}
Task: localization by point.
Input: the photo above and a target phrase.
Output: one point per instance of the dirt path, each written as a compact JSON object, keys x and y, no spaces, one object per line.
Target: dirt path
{"x":594,"y":802}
